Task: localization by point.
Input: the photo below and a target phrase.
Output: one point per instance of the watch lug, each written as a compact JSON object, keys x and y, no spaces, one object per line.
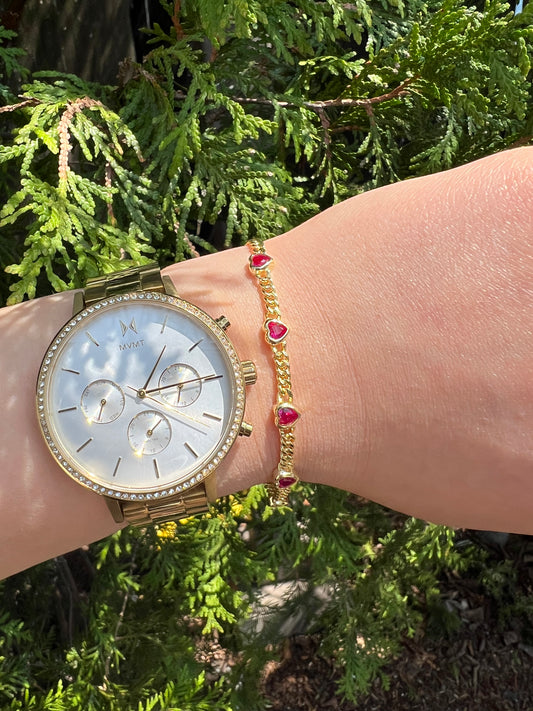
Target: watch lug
{"x":168,"y":285}
{"x":211,"y":486}
{"x":223,"y":322}
{"x":79,"y":302}
{"x":115,"y":507}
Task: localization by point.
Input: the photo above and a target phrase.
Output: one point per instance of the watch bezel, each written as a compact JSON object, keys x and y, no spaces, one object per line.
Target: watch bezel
{"x":91,"y":480}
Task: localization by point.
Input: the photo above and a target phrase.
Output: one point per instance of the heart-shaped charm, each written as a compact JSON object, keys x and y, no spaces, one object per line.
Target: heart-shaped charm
{"x":275,"y":330}
{"x":284,"y":482}
{"x":286,"y":479}
{"x":260,"y":261}
{"x":286,"y":415}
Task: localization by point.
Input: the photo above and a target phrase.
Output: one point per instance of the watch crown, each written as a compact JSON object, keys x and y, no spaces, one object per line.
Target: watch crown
{"x":245,"y":429}
{"x":223,"y":322}
{"x":249,"y":372}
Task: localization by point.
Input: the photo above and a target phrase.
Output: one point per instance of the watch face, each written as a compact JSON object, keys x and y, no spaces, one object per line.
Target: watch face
{"x":140,"y":396}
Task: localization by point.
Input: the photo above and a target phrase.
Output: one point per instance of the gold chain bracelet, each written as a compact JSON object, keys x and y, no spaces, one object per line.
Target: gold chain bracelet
{"x":285,"y":413}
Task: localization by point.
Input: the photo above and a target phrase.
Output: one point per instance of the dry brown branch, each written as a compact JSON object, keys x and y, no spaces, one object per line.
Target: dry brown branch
{"x":20,"y":105}
{"x":400,"y":90}
{"x":73,"y":107}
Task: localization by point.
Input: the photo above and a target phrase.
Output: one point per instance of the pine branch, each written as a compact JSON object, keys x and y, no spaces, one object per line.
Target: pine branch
{"x":318,"y":106}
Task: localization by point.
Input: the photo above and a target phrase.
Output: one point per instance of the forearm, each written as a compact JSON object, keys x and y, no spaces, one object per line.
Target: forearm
{"x":411,"y":315}
{"x":411,"y":320}
{"x":413,"y":354}
{"x":43,"y":512}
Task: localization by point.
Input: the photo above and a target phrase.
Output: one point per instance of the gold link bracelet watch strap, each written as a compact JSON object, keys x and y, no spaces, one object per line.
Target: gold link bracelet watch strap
{"x":147,"y":278}
{"x":170,"y":508}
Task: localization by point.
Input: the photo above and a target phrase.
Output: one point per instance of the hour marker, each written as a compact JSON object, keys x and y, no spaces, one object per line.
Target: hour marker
{"x":69,"y":370}
{"x":156,"y":468}
{"x":195,"y":344}
{"x":164,"y":324}
{"x":191,"y":450}
{"x":117,"y":466}
{"x":91,"y":338}
{"x":68,"y":409}
{"x":211,"y":416}
{"x":85,"y":444}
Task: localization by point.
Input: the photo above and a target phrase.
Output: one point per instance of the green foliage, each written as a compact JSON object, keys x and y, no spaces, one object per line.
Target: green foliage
{"x":141,"y":615}
{"x":160,"y":619}
{"x":9,"y":64}
{"x":245,"y":118}
{"x":70,"y":217}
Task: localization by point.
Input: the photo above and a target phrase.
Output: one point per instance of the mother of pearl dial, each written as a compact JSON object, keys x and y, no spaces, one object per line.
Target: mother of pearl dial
{"x":140,"y":395}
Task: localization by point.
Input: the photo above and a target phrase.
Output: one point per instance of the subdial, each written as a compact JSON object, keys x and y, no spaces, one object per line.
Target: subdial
{"x":149,"y":432}
{"x":102,"y":401}
{"x":187,"y":382}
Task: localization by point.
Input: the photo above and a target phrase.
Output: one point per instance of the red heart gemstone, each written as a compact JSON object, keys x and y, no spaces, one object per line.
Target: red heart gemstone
{"x":260,"y":261}
{"x":276,"y":330}
{"x":284,"y":482}
{"x":286,"y":415}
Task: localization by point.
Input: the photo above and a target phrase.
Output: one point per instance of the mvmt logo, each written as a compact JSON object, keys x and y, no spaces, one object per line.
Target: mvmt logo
{"x":124,"y":327}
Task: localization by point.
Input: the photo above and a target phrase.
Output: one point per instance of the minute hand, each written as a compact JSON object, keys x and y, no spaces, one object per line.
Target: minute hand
{"x":184,"y":382}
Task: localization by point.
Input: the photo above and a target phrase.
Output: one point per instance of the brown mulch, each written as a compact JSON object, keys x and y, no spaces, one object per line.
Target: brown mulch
{"x":482,"y":670}
{"x":483,"y":666}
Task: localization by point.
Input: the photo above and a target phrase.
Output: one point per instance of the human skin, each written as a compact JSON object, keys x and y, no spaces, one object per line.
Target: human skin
{"x":411,"y":338}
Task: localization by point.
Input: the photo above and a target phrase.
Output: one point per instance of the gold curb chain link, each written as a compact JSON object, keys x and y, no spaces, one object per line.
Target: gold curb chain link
{"x":286,"y":415}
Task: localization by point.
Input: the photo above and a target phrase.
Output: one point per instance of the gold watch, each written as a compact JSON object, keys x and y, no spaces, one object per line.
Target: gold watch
{"x":141,"y":395}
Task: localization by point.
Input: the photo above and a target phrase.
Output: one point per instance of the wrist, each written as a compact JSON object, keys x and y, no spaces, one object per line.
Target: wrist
{"x":220,"y":284}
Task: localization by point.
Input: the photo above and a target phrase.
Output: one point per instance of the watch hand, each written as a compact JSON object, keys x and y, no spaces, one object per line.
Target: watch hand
{"x":174,"y":413}
{"x":184,"y":382}
{"x":153,"y":369}
{"x":150,"y":432}
{"x":102,"y":403}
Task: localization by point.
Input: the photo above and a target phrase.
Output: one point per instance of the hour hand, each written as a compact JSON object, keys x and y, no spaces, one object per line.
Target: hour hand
{"x":143,"y":389}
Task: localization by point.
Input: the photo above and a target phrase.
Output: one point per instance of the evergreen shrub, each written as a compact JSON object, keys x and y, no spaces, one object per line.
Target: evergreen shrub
{"x":245,"y":118}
